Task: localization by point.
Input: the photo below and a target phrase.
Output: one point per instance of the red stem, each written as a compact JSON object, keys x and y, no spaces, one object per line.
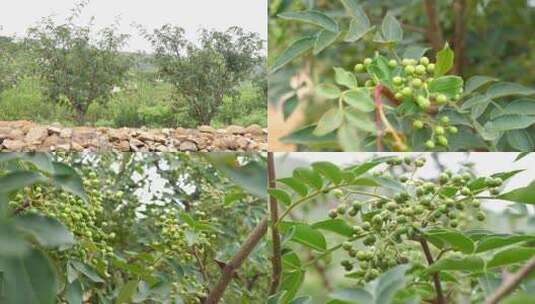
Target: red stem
{"x":378,"y":109}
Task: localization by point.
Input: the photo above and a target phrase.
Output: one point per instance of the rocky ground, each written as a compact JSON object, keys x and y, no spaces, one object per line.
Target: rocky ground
{"x":26,"y":136}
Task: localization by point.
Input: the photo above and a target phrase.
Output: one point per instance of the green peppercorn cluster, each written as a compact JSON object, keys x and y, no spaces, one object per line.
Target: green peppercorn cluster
{"x":411,"y":85}
{"x":84,"y":219}
{"x":388,"y":223}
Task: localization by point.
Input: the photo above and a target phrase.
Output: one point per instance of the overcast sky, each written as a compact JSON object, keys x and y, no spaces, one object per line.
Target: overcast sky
{"x":192,"y":15}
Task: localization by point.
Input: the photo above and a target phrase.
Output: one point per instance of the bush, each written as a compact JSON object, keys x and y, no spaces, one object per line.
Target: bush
{"x":247,"y":108}
{"x":25,"y":101}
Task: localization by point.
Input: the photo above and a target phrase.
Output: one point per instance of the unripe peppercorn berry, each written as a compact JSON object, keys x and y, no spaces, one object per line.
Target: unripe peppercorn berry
{"x":410,"y":69}
{"x":407,"y":92}
{"x":337,"y":193}
{"x":442,"y":140}
{"x":420,"y":69}
{"x":442,"y":99}
{"x":333,"y":213}
{"x":424,"y":60}
{"x":368,"y":61}
{"x":416,"y":83}
{"x":359,"y":67}
{"x":392,"y":63}
{"x":453,"y":130}
{"x":342,"y":209}
{"x":397,"y":80}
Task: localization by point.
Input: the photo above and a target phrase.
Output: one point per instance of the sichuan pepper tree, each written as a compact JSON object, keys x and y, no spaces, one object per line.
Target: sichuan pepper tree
{"x":95,"y":228}
{"x":403,"y":238}
{"x":398,"y":98}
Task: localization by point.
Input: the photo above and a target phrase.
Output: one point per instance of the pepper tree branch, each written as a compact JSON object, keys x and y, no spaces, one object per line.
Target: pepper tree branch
{"x":459,"y":11}
{"x":436,"y":279}
{"x":228,"y":271}
{"x":276,"y":259}
{"x":434,"y":32}
{"x":509,"y":284}
{"x":380,"y":118}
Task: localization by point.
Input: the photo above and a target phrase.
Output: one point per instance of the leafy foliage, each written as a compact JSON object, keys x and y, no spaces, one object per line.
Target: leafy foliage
{"x":422,"y":103}
{"x":387,"y":223}
{"x":92,"y":227}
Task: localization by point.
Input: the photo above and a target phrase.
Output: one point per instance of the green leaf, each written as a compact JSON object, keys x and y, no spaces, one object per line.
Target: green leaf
{"x":305,"y":235}
{"x":509,"y":122}
{"x":297,"y":48}
{"x":525,"y":195}
{"x":468,"y":264}
{"x":309,"y":177}
{"x":313,"y":17}
{"x":345,"y":78}
{"x":289,"y":107}
{"x":475,"y":100}
{"x":391,"y":29}
{"x":305,"y":136}
{"x":414,"y":52}
{"x":47,"y":231}
{"x":520,"y":140}
{"x":389,"y":283}
{"x":525,"y":106}
{"x":357,"y":30}
{"x":87,"y":271}
{"x":447,"y":85}
{"x":329,"y":122}
{"x":496,"y":241}
{"x":380,"y":71}
{"x":348,"y":138}
{"x":367,"y":166}
{"x":477,"y":82}
{"x":511,"y":256}
{"x":296,"y":185}
{"x":29,"y":279}
{"x":74,"y":292}
{"x":522,"y":155}
{"x":290,"y":260}
{"x":329,"y":170}
{"x":338,"y":226}
{"x":479,"y":183}
{"x":324,"y":40}
{"x":359,"y":99}
{"x":504,"y":89}
{"x":329,"y":91}
{"x":19,"y":179}
{"x":251,"y":177}
{"x":281,"y":196}
{"x":68,"y":180}
{"x":127,"y":293}
{"x":41,"y":160}
{"x":352,"y":295}
{"x":355,"y":10}
{"x":291,"y":281}
{"x":361,"y":121}
{"x":445,"y":59}
{"x":453,"y":238}
{"x":11,"y":242}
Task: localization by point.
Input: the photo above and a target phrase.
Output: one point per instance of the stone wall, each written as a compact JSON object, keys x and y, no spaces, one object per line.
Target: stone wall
{"x":19,"y":136}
